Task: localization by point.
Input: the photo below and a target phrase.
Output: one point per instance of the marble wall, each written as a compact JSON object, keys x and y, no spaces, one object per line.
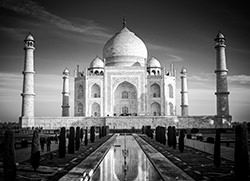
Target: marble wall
{"x":121,"y":122}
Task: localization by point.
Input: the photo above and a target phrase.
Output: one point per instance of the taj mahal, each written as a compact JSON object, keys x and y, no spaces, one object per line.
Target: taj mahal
{"x":125,"y":82}
{"x":125,"y":89}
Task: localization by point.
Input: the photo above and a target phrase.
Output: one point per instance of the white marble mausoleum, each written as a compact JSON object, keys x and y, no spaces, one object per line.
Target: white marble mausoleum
{"x":125,"y":82}
{"x":125,"y":89}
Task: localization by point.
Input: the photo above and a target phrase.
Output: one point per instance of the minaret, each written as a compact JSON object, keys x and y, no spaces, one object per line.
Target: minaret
{"x":184,"y":93}
{"x":65,"y":93}
{"x":221,"y":82}
{"x":28,"y":78}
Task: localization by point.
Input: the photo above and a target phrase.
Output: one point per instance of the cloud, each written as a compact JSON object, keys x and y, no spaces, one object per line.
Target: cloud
{"x":33,"y":9}
{"x":10,"y":82}
{"x":242,"y":79}
{"x":169,"y":53}
{"x":202,"y":77}
{"x":19,"y":33}
{"x":206,"y":77}
{"x":46,"y":85}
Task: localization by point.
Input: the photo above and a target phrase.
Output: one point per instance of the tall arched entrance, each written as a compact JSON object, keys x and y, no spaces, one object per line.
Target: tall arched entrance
{"x":125,"y":99}
{"x":155,"y":109}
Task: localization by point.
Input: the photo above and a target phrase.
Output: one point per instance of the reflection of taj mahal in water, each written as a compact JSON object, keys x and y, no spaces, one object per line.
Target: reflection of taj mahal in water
{"x":125,"y":89}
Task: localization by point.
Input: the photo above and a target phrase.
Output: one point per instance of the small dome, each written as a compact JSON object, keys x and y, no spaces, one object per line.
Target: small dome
{"x":153,"y":62}
{"x":97,"y":63}
{"x":183,"y":70}
{"x":220,"y":36}
{"x":29,"y":37}
{"x":124,"y":49}
{"x":137,"y":64}
{"x":66,"y":71}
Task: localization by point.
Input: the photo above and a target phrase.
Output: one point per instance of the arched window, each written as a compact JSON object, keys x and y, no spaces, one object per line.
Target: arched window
{"x":96,"y":72}
{"x":124,"y":95}
{"x":153,"y":72}
{"x":95,"y":109}
{"x":95,"y":91}
{"x":171,"y":91}
{"x":155,"y":90}
{"x":171,"y":109}
{"x":80,"y":92}
{"x":124,"y":110}
{"x":80,"y":109}
{"x":155,"y":109}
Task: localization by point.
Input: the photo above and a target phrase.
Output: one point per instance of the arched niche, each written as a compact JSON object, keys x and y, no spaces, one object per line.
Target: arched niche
{"x":170,"y":91}
{"x":155,"y":109}
{"x":80,"y":92}
{"x":95,"y":91}
{"x":171,"y":109}
{"x":95,"y":109}
{"x":155,"y":90}
{"x":80,"y":109}
{"x":125,"y":99}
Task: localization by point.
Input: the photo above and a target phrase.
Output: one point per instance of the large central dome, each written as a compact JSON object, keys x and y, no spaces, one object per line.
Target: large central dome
{"x":125,"y":49}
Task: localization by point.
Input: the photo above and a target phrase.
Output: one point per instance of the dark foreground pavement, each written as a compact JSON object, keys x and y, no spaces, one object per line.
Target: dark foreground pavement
{"x":165,"y":168}
{"x":196,"y":164}
{"x":52,"y":168}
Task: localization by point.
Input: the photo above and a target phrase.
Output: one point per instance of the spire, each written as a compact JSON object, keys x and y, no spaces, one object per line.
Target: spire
{"x":29,"y":37}
{"x":124,"y":22}
{"x":219,"y":36}
{"x":66,"y":71}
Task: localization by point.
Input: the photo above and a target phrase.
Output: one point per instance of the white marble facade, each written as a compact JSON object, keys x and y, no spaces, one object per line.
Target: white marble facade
{"x":125,"y":82}
{"x":124,"y":89}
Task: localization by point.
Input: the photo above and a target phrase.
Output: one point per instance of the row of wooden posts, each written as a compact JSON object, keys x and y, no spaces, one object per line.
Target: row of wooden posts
{"x":75,"y":137}
{"x":241,"y":157}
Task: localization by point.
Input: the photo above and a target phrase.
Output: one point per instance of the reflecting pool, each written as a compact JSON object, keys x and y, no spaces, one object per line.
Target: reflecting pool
{"x":125,"y":161}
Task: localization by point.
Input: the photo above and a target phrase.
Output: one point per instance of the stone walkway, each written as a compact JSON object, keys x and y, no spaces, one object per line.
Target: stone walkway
{"x":24,"y":153}
{"x":166,"y":169}
{"x":88,"y":166}
{"x":197,"y":164}
{"x":52,"y":168}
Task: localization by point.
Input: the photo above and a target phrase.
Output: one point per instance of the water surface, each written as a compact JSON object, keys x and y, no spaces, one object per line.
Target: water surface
{"x":121,"y":165}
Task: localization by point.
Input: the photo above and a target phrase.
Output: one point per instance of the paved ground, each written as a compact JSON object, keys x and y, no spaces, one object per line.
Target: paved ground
{"x":166,"y":169}
{"x":24,"y":153}
{"x":197,"y":164}
{"x":90,"y":163}
{"x":52,"y":168}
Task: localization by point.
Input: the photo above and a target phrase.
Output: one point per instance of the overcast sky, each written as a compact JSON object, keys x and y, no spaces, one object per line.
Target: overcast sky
{"x":71,"y":33}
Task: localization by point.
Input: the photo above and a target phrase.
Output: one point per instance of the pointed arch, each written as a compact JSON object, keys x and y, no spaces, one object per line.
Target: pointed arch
{"x":95,"y":91}
{"x":96,"y":72}
{"x":80,"y":109}
{"x":80,"y":92}
{"x":155,"y":90}
{"x":171,"y":109}
{"x":95,"y":109}
{"x":125,"y":95}
{"x":125,"y":110}
{"x":171,"y":91}
{"x":155,"y":109}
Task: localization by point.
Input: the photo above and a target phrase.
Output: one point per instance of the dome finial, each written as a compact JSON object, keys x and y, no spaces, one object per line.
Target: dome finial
{"x":124,"y":22}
